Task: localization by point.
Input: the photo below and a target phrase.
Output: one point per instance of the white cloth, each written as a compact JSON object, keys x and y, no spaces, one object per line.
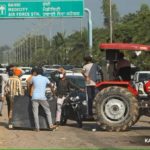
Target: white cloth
{"x":60,"y":100}
{"x":4,"y":82}
{"x":86,"y":70}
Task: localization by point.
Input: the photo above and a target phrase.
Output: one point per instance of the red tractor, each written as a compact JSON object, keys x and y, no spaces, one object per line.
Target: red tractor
{"x":118,"y":106}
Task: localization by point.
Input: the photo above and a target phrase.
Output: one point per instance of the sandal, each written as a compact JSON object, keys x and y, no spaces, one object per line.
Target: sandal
{"x":53,"y":127}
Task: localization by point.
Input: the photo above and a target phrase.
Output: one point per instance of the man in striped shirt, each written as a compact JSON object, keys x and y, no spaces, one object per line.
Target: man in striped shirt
{"x":13,"y":88}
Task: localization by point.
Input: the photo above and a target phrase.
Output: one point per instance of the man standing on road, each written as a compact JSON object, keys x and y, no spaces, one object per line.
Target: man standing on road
{"x":63,"y":87}
{"x":92,"y":73}
{"x":30,"y":86}
{"x":38,"y":98}
{"x":13,"y":88}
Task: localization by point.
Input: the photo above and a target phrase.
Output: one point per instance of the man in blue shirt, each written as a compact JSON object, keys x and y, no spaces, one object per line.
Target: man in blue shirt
{"x":39,"y":83}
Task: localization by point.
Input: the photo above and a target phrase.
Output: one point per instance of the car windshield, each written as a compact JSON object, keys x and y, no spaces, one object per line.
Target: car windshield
{"x":2,"y":70}
{"x":27,"y":72}
{"x":47,"y":74}
{"x":78,"y":80}
{"x":144,"y":77}
{"x":68,"y":67}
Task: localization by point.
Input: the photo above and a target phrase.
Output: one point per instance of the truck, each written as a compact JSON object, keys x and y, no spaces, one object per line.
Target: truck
{"x":118,"y":104}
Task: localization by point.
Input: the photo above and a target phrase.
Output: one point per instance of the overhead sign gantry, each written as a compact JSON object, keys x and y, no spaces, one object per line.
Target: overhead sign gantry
{"x":41,"y":8}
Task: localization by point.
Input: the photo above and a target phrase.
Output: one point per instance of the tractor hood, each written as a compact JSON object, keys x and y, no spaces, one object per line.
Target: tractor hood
{"x":124,"y":46}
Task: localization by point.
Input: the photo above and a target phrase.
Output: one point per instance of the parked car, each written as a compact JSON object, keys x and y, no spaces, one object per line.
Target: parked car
{"x":78,"y":79}
{"x":24,"y":78}
{"x":68,"y":67}
{"x":48,"y":71}
{"x":26,"y":70}
{"x":2,"y":70}
{"x":139,"y":79}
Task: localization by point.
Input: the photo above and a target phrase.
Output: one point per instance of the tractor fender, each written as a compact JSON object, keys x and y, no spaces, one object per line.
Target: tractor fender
{"x":125,"y":84}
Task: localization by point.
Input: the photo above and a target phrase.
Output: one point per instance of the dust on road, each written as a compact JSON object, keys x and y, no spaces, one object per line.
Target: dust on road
{"x":72,"y":137}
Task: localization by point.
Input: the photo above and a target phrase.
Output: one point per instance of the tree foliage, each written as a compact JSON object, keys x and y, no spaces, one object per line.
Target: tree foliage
{"x":70,"y":49}
{"x":106,"y":12}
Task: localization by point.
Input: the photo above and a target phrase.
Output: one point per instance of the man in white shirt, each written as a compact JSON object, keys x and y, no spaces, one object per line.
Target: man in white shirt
{"x":89,"y":73}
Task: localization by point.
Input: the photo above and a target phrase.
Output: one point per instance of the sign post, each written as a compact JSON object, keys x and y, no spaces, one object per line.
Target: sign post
{"x":41,"y":8}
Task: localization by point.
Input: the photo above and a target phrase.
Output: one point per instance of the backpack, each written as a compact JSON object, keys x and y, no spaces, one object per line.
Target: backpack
{"x":96,"y":73}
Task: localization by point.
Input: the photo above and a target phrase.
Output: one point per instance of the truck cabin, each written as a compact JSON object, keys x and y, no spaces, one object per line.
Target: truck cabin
{"x":114,"y":52}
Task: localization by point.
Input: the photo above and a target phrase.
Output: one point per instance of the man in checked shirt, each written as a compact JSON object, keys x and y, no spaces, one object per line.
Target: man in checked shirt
{"x":13,"y":88}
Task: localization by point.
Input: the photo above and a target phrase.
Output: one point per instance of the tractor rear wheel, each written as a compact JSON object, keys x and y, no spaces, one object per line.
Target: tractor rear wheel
{"x":115,"y":108}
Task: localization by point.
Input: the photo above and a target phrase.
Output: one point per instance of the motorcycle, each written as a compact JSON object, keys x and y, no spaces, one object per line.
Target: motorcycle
{"x":72,"y":109}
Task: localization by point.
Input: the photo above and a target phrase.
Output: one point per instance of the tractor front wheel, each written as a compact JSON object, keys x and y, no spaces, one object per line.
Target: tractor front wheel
{"x":115,"y":108}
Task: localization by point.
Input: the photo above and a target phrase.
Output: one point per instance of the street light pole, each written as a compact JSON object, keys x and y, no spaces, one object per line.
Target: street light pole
{"x":110,"y":19}
{"x":90,"y":29}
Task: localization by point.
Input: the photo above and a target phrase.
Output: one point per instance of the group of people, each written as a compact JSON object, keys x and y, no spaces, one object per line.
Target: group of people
{"x":37,"y":84}
{"x":11,"y":87}
{"x":37,"y":87}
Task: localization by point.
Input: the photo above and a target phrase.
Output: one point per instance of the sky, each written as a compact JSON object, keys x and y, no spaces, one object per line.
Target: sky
{"x":12,"y":30}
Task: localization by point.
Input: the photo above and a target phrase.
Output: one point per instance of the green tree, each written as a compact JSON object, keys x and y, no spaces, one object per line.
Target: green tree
{"x":134,"y":28}
{"x":58,"y":49}
{"x":106,"y":12}
{"x":78,"y":46}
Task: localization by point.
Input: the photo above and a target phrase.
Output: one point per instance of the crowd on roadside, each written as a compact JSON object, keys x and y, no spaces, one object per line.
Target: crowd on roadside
{"x":37,"y":83}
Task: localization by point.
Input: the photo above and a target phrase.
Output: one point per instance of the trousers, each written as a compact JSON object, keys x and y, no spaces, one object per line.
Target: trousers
{"x":1,"y":107}
{"x":35,"y":109}
{"x":59,"y":108}
{"x":91,"y":95}
{"x":10,"y":106}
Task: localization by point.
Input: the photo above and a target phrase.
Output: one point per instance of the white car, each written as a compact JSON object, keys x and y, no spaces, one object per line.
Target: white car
{"x":24,"y":80}
{"x":139,"y":79}
{"x":2,"y":70}
{"x":26,"y":70}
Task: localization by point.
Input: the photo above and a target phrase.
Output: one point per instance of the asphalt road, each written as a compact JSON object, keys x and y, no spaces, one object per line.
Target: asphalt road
{"x":72,"y":137}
